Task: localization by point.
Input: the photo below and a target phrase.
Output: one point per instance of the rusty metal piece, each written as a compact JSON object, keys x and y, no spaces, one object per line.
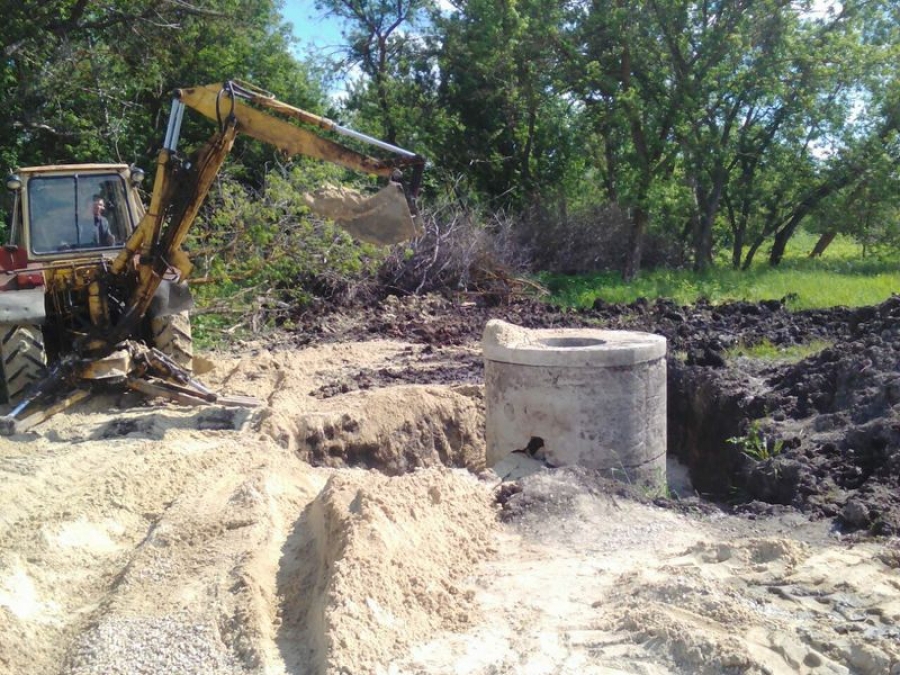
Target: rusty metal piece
{"x":188,"y":396}
{"x":169,"y":380}
{"x":165,"y":390}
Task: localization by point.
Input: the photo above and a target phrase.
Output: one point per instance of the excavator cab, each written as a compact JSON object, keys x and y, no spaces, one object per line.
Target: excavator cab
{"x":63,"y":212}
{"x":73,"y":212}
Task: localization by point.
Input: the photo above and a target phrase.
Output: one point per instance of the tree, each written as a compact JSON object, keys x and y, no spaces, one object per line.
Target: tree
{"x":498,"y":70}
{"x":378,"y":35}
{"x":732,"y":100}
{"x":89,"y":81}
{"x":616,"y":66}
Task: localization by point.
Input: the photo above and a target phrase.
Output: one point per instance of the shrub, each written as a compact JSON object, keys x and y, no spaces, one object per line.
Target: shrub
{"x":461,"y":249}
{"x":593,"y":238}
{"x":266,"y":249}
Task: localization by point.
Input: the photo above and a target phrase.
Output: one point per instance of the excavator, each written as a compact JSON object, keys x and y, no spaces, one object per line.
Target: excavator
{"x":94,"y":285}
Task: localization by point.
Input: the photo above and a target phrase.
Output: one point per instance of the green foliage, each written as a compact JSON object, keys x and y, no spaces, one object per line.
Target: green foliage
{"x":498,"y":64}
{"x":720,"y":126}
{"x":215,"y":330}
{"x":391,"y":97}
{"x":87,"y":82}
{"x":766,"y":350}
{"x":261,"y":257}
{"x":756,"y":445}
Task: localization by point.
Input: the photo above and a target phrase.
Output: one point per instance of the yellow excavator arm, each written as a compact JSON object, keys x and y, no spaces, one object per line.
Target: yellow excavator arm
{"x":180,"y":187}
{"x":119,"y":296}
{"x":210,"y":100}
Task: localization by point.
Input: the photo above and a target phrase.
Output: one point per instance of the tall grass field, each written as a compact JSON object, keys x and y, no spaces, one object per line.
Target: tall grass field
{"x":842,"y":276}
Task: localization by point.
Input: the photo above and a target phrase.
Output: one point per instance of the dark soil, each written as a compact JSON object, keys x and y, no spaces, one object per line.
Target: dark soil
{"x":821,"y":435}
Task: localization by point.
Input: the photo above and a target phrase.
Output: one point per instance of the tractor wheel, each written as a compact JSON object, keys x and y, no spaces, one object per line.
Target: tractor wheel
{"x":23,"y":359}
{"x":172,"y":336}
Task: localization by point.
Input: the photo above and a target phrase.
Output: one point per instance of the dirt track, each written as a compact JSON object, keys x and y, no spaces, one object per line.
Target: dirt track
{"x":145,"y":538}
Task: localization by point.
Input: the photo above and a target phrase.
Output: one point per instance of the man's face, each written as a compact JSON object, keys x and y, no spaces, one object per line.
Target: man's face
{"x":99,"y":207}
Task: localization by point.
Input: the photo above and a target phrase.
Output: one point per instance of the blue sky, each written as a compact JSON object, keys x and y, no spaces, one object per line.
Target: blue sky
{"x":310,"y":27}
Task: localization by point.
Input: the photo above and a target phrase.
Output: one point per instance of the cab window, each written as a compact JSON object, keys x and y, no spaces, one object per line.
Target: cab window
{"x":77,"y":212}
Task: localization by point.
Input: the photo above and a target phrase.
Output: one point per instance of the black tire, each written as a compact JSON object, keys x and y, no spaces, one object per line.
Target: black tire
{"x":172,"y":336}
{"x":23,"y":359}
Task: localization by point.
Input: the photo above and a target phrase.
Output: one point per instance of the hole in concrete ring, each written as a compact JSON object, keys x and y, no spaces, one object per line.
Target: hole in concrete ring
{"x":569,"y":342}
{"x":535,"y":443}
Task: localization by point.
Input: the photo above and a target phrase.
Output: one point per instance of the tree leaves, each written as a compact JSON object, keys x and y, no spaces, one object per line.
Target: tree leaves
{"x":714,"y":124}
{"x":88,"y":81}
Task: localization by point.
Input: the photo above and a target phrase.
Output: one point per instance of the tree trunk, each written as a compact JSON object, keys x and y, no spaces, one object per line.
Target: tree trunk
{"x":823,"y":243}
{"x":381,"y":76}
{"x":703,"y":246}
{"x":635,"y":244}
{"x":779,"y":244}
{"x":707,"y":202}
{"x":751,"y":252}
{"x":703,"y":240}
{"x":529,"y":146}
{"x":737,"y":247}
{"x":804,"y":208}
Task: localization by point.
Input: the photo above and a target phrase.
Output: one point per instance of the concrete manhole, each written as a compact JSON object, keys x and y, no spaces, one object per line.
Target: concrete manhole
{"x":586,"y":397}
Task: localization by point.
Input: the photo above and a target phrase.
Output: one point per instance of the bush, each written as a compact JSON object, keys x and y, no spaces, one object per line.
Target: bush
{"x":265,"y":249}
{"x":461,"y":250}
{"x":592,"y":239}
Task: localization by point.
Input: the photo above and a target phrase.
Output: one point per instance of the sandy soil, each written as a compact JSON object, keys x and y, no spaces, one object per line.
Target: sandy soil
{"x":142,"y":537}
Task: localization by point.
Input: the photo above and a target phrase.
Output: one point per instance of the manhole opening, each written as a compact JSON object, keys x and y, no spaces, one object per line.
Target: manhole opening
{"x":570,"y":342}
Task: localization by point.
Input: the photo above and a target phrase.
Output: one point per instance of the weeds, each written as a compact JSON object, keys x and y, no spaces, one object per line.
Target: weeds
{"x":756,"y":445}
{"x":766,"y":350}
{"x":651,"y":487}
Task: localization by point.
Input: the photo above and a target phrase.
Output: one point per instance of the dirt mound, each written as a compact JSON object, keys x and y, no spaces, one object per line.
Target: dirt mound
{"x":394,"y":430}
{"x":380,"y":563}
{"x":139,"y":537}
{"x":832,"y":417}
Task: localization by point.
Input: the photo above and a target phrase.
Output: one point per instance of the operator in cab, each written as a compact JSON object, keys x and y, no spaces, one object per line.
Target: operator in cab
{"x":101,"y":235}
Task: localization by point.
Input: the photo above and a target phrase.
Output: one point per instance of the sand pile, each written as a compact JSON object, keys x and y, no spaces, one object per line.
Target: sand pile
{"x":145,"y":538}
{"x":383,"y":563}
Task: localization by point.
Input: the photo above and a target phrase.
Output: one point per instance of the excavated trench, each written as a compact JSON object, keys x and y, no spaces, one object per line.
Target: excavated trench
{"x":202,"y":522}
{"x":700,"y":422}
{"x":819,"y":434}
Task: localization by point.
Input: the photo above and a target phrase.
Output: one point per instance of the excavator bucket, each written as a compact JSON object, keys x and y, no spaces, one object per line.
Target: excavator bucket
{"x":382,"y":219}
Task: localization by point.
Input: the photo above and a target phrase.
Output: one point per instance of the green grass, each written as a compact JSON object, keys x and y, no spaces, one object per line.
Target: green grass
{"x":768,"y":351}
{"x":756,"y":445}
{"x":841,"y":277}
